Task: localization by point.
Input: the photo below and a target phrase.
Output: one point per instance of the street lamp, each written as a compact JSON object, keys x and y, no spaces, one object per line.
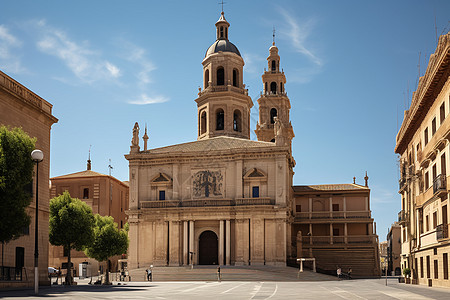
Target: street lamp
{"x":37,"y":157}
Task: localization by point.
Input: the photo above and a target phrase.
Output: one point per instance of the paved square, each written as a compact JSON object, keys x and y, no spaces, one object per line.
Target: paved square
{"x":345,"y":289}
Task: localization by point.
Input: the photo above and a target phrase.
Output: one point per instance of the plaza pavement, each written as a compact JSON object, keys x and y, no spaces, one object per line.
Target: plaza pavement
{"x":237,"y":283}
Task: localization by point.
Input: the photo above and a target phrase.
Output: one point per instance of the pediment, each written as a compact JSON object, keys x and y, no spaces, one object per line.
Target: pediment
{"x":161,"y":179}
{"x":255,"y":174}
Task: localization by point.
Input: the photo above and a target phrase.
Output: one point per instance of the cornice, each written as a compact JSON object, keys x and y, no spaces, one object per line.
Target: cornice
{"x":429,"y":86}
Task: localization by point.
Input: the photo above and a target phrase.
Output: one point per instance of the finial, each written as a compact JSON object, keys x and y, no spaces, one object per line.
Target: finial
{"x":89,"y":159}
{"x":145,"y":137}
{"x":273,"y":36}
{"x":222,"y":6}
{"x":110,"y":167}
{"x":354,"y":180}
{"x":366,"y":178}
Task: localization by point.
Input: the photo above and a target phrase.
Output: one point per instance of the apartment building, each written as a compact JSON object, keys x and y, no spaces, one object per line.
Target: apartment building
{"x":423,"y":145}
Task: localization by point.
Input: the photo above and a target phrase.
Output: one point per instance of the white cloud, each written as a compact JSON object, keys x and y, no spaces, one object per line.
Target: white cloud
{"x":252,"y":63}
{"x":137,"y":55}
{"x":298,"y":33}
{"x":9,"y":60}
{"x":113,"y":70}
{"x":85,"y":63}
{"x":145,"y":99}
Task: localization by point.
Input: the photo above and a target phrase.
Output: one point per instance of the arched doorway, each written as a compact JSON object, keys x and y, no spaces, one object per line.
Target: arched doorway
{"x":208,"y":248}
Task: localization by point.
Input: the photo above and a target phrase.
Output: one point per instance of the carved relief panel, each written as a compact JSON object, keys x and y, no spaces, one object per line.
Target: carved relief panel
{"x":208,"y":184}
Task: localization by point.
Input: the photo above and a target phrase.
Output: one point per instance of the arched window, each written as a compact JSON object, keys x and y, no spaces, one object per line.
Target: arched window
{"x":273,"y":65}
{"x":203,"y":123}
{"x":206,"y":78}
{"x":281,"y":87}
{"x":220,"y":119}
{"x":226,"y":32}
{"x":273,"y":114}
{"x":220,"y":76}
{"x":237,"y":121}
{"x":221,"y":31}
{"x":235,"y":77}
{"x":265,"y":88}
{"x":273,"y":87}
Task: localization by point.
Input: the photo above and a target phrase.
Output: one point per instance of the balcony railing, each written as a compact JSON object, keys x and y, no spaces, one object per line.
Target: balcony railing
{"x":207,"y":202}
{"x":439,"y":185}
{"x":401,"y":183}
{"x":10,"y":274}
{"x":402,"y":217}
{"x":442,"y":231}
{"x":223,"y":88}
{"x":332,"y":215}
{"x":329,"y":240}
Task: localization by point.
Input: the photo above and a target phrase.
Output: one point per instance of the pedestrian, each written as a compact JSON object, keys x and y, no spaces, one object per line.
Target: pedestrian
{"x":218,"y":273}
{"x":349,"y":273}
{"x":149,"y":274}
{"x":339,"y":273}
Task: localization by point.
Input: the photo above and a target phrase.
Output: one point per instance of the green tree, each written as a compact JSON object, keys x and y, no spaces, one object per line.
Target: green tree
{"x":71,"y":225}
{"x":108,"y":241}
{"x":16,"y":174}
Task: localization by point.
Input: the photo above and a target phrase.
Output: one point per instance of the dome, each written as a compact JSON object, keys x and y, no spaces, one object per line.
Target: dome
{"x":222,"y":45}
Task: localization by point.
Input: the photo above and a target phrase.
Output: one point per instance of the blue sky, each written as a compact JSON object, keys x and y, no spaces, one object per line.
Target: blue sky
{"x":351,"y":68}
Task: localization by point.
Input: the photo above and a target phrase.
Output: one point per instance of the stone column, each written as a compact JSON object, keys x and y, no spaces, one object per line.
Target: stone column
{"x":161,"y":236}
{"x":174,"y":243}
{"x":221,"y":241}
{"x":185,"y":243}
{"x":191,"y":241}
{"x":242,"y":242}
{"x":227,"y":242}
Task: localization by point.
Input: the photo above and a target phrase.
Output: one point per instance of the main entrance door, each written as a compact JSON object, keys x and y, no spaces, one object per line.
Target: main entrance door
{"x":208,"y":248}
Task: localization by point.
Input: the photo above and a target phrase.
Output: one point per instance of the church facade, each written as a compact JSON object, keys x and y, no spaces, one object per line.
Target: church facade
{"x":223,"y":199}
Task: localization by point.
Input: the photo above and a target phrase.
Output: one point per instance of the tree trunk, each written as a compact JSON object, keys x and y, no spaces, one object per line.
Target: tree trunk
{"x":107,"y":272}
{"x":69,"y":269}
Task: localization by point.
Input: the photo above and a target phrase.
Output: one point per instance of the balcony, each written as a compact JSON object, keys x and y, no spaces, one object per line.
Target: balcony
{"x":330,"y":240}
{"x":442,"y":232}
{"x":317,"y":215}
{"x":402,"y":183}
{"x":439,"y":185}
{"x":207,"y":202}
{"x":402,"y":217}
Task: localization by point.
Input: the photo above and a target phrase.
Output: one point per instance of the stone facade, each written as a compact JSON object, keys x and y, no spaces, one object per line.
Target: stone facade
{"x":20,"y":107}
{"x":225,"y":199}
{"x":333,"y":223}
{"x":423,"y":146}
{"x":394,"y":249}
{"x":106,"y":196}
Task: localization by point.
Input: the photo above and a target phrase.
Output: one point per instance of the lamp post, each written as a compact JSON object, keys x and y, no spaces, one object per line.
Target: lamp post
{"x":37,"y":157}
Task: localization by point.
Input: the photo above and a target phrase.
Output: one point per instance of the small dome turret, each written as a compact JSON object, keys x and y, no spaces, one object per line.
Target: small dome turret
{"x":222,"y":43}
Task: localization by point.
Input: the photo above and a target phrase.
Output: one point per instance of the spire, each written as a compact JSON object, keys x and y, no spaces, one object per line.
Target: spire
{"x":89,"y":159}
{"x":366,"y":179}
{"x":273,"y":36}
{"x":145,"y":137}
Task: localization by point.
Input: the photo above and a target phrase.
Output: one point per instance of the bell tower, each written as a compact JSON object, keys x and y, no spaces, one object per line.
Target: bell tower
{"x":223,"y":103}
{"x":274,"y":124}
